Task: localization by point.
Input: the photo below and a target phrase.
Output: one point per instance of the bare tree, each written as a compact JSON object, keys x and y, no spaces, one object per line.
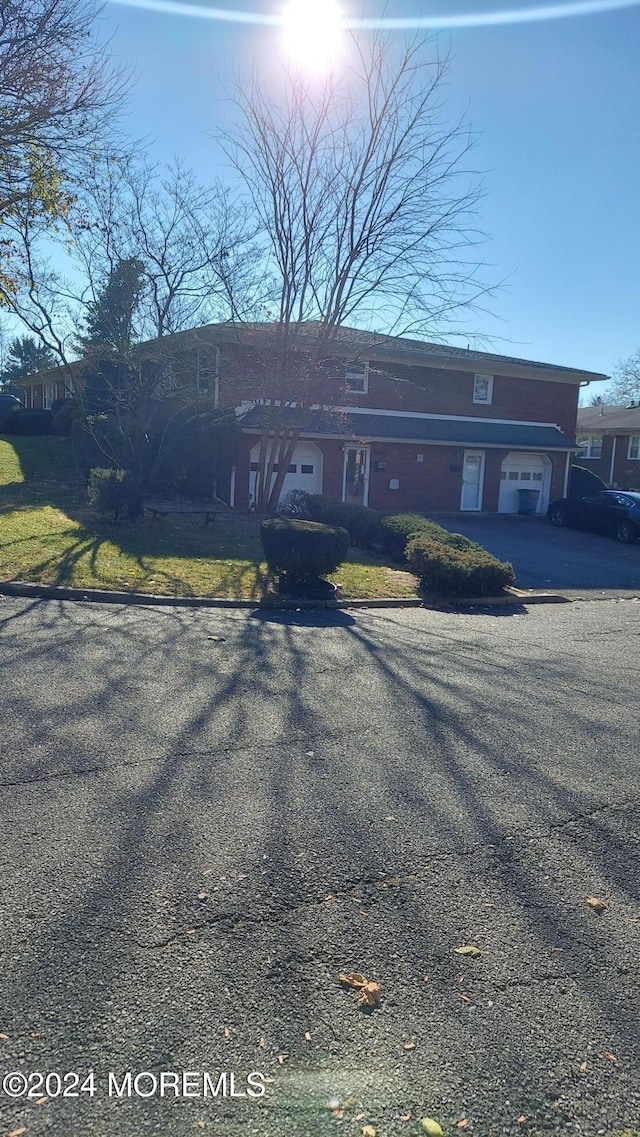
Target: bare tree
{"x":625,"y":385}
{"x":366,"y":209}
{"x":58,"y":97}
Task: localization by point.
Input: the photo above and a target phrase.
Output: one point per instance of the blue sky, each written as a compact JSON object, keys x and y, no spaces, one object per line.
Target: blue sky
{"x":555,"y":105}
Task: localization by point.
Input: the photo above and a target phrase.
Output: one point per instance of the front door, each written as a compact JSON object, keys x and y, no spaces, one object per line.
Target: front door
{"x":472,"y":478}
{"x":356,"y":475}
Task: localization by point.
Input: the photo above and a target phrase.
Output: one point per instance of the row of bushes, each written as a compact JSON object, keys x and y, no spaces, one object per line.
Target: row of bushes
{"x":22,"y":421}
{"x":445,"y":562}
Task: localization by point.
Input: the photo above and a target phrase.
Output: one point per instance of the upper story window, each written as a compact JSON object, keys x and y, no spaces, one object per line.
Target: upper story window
{"x":483,"y":389}
{"x":634,"y":447}
{"x":356,"y":377}
{"x":590,"y":446}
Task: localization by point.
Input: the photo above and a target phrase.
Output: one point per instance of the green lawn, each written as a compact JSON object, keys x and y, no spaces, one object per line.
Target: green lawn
{"x":49,"y":534}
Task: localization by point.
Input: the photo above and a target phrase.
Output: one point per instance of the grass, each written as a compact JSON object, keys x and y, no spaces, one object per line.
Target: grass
{"x":48,"y":534}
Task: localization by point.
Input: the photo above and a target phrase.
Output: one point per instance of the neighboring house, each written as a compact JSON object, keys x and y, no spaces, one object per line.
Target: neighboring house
{"x":409,"y":425}
{"x":609,"y":444}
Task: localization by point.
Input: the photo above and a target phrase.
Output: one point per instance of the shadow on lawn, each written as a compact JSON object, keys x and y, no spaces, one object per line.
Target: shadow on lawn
{"x":346,"y":795}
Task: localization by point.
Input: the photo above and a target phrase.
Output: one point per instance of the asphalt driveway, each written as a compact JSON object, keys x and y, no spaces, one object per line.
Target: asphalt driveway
{"x":546,"y":557}
{"x":207,"y":815}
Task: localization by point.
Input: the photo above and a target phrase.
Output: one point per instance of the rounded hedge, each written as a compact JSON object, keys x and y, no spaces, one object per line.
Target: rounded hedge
{"x":447,"y":569}
{"x":304,"y":550}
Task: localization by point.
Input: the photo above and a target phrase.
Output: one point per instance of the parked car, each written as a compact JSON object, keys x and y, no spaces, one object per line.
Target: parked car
{"x":10,"y":403}
{"x":610,"y":511}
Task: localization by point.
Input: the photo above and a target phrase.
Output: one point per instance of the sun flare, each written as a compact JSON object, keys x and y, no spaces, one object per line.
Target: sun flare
{"x":313,"y":31}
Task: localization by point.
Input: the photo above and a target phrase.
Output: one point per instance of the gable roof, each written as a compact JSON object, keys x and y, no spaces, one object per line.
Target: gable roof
{"x":600,"y":419}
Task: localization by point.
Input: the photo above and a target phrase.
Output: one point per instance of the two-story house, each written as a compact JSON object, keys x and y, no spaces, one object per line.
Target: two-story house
{"x":409,"y":425}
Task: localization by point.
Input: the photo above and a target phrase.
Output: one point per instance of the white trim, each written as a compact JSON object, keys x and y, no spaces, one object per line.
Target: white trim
{"x":613,"y":459}
{"x":359,"y":368}
{"x":567,"y":471}
{"x":367,"y":471}
{"x":476,"y":508}
{"x":630,"y":457}
{"x":216,"y":379}
{"x":591,"y":438}
{"x":425,"y":415}
{"x":232,"y":488}
{"x":489,"y":381}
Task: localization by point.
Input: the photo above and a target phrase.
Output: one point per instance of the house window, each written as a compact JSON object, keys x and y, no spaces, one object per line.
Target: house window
{"x":483,"y":388}
{"x":356,"y":376}
{"x":634,"y":447}
{"x":304,"y":469}
{"x":590,"y":446}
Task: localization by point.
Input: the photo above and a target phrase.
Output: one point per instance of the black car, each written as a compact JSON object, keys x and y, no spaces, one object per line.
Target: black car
{"x":611,"y":511}
{"x":10,"y":403}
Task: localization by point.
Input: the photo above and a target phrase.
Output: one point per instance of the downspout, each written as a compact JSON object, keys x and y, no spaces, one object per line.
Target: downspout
{"x":232,"y":488}
{"x":566,"y":474}
{"x":613,"y":458}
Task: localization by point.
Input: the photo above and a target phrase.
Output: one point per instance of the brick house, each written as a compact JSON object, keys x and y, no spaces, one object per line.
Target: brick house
{"x":409,"y":425}
{"x":609,"y":444}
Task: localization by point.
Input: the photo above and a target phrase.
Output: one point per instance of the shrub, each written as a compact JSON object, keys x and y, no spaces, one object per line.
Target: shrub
{"x":28,"y":422}
{"x":115,"y":490}
{"x":305,"y":550}
{"x":397,"y":528}
{"x":296,"y":504}
{"x":362,"y":524}
{"x":65,"y":413}
{"x":445,"y":568}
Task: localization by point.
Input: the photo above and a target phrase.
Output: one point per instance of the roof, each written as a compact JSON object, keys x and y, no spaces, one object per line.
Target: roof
{"x":437,"y":429}
{"x":609,"y":418}
{"x":353,"y":343}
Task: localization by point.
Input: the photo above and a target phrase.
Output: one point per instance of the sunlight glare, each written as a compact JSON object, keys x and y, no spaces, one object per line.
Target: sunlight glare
{"x":313,"y":32}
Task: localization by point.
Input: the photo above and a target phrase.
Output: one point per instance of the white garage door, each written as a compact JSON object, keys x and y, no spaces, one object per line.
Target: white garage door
{"x":304,"y":473}
{"x":523,"y":472}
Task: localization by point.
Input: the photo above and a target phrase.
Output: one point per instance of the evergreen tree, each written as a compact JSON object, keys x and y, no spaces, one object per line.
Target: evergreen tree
{"x":109,"y":375}
{"x":25,"y":357}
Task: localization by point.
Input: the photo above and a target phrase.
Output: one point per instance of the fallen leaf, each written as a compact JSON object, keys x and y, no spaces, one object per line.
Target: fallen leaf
{"x":408,"y":1045}
{"x":42,"y":1101}
{"x":4,"y":1037}
{"x":330,"y":898}
{"x":583,"y":1067}
{"x":226,"y":1032}
{"x":282,"y":1059}
{"x":368,"y":1131}
{"x":611,"y":1057}
{"x":261,"y":1043}
{"x":218,"y":639}
{"x":405,"y":1117}
{"x":464,"y":998}
{"x":199,"y":1124}
{"x":369,"y":993}
{"x":557,"y":949}
{"x":17,"y":1132}
{"x":463,"y":1124}
{"x":468,"y":949}
{"x":489,"y":905}
{"x":35,"y":1034}
{"x":596,"y":904}
{"x":307,"y":1036}
{"x":355,"y":979}
{"x":521,"y":1119}
{"x":431,"y":1127}
{"x":339,"y":1113}
{"x":203,"y":896}
{"x":425,"y":978}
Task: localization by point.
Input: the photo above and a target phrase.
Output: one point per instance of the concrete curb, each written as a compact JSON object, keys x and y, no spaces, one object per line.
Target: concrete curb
{"x":102,"y":596}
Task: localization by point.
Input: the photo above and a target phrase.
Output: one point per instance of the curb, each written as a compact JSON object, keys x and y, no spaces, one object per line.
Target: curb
{"x":516,"y":597}
{"x":102,"y":596}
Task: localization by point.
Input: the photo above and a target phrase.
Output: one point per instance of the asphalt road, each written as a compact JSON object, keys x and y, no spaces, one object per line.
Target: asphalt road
{"x":547,"y":557}
{"x":207,"y":815}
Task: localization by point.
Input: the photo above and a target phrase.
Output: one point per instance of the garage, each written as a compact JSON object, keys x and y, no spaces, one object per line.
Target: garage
{"x":524,"y":472}
{"x":304,"y":473}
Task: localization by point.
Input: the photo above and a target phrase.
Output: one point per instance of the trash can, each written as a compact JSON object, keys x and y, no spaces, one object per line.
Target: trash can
{"x":528,"y":501}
